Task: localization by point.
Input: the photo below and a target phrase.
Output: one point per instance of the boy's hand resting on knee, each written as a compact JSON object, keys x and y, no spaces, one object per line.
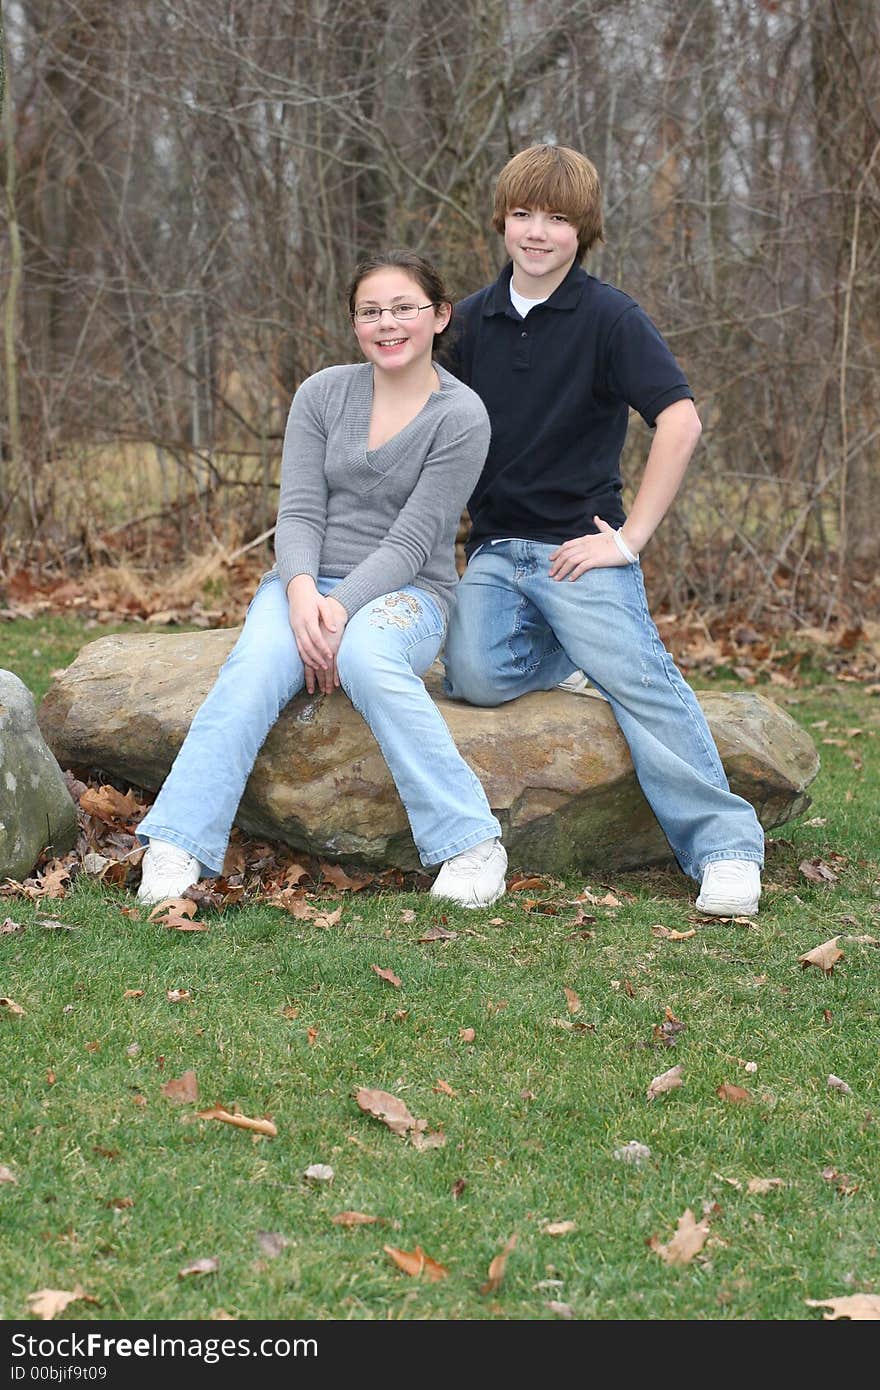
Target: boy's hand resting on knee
{"x":573,"y":558}
{"x":317,"y":624}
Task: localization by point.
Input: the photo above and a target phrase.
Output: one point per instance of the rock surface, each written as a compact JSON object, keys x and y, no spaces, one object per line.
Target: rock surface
{"x":36,"y":809}
{"x":554,"y":765}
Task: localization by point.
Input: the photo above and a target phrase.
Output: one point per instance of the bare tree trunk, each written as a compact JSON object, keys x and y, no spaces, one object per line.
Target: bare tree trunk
{"x":11,"y":464}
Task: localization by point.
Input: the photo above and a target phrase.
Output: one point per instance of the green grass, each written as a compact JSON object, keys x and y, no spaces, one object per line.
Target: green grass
{"x":539,"y":1107}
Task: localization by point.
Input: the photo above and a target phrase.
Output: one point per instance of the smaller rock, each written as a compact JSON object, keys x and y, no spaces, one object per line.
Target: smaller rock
{"x":837,"y":1085}
{"x":36,"y":811}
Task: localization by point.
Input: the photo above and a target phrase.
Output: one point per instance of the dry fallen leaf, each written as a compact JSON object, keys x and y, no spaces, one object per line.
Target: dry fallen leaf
{"x":6,"y":1174}
{"x":736,"y":1095}
{"x":458,"y":1187}
{"x":445,"y":1087}
{"x":311,"y":1036}
{"x":669,"y":933}
{"x":272,"y":1243}
{"x":562,"y":1310}
{"x":52,"y":884}
{"x":9,"y":928}
{"x":416,"y":1263}
{"x":353,"y":1218}
{"x":407,"y":915}
{"x":228,"y":1117}
{"x":176,"y":996}
{"x":825,"y":956}
{"x":133,"y":994}
{"x":466,"y":1035}
{"x":761,"y":1185}
{"x":382,"y":1105}
{"x":319,"y":1172}
{"x":519,"y":883}
{"x":108,"y":804}
{"x":667,"y":1081}
{"x":208,"y":1265}
{"x":430,"y":1139}
{"x":182,"y":1090}
{"x":120,"y":1203}
{"x":10,"y":1006}
{"x":688,"y":1241}
{"x":817,"y":871}
{"x":861,"y":1307}
{"x":837,"y":1085}
{"x":632,"y":1152}
{"x":558,"y":1228}
{"x":388,"y":975}
{"x":572,"y":1000}
{"x":335,"y":874}
{"x":48,"y":1303}
{"x":497,"y":1267}
{"x":323,"y":920}
{"x":176,"y":914}
{"x":845,"y":1184}
{"x":437,"y":933}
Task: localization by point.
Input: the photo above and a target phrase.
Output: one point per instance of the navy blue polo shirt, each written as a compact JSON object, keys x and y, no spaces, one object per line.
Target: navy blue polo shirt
{"x":558,"y":386}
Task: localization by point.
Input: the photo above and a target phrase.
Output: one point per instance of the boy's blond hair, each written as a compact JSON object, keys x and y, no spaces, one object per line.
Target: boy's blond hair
{"x":553,"y":178}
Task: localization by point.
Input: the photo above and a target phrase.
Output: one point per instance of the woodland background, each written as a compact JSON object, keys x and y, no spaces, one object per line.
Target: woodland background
{"x":187,"y":184}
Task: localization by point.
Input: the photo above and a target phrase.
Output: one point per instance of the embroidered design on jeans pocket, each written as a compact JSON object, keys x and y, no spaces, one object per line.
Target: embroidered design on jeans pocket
{"x":385,"y":613}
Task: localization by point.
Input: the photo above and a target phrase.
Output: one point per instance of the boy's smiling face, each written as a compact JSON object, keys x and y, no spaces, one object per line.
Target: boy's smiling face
{"x":543,"y":246}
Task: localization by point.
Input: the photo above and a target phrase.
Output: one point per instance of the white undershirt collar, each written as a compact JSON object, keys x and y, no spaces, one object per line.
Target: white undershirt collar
{"x":523,"y":305}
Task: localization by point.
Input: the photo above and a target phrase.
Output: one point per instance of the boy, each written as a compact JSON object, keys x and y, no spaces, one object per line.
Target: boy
{"x":553,"y":580}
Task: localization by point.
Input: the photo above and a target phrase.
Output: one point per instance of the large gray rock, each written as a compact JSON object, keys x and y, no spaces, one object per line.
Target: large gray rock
{"x":36,"y":809}
{"x":554,"y":765}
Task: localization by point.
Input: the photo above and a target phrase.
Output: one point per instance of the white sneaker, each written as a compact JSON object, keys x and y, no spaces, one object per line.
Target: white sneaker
{"x":576,"y":684}
{"x":474,"y":878}
{"x":166,"y":872}
{"x":730,"y":888}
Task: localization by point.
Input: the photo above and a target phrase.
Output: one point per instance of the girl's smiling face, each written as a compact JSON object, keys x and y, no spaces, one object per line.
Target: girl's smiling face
{"x":393,"y":344}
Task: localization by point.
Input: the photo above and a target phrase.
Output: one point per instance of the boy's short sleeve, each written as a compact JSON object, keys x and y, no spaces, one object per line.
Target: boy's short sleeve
{"x":641,"y":369}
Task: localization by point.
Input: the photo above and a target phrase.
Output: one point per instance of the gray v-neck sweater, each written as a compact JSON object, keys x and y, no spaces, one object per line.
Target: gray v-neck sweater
{"x":379,"y":518}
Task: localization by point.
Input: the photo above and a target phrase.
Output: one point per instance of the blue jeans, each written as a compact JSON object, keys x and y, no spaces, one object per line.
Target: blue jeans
{"x":516,"y":630}
{"x":385,"y":648}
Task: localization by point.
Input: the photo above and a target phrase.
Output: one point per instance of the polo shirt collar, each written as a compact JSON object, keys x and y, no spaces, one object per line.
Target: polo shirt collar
{"x":565,"y":296}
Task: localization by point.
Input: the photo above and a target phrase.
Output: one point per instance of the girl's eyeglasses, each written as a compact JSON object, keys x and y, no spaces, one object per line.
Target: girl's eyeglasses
{"x":371,"y":313}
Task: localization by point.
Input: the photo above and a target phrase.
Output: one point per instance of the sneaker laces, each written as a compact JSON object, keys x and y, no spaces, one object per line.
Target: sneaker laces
{"x":731,"y":871}
{"x":472,"y":858}
{"x":166,"y":857}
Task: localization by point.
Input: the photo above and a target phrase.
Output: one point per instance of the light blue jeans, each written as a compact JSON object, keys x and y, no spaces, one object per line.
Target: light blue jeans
{"x":386,"y":647}
{"x":516,"y":630}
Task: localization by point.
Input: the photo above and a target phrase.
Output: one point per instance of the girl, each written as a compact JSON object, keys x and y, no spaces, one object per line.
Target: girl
{"x":379,"y":459}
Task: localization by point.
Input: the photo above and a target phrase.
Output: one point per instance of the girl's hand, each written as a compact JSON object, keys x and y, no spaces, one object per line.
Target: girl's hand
{"x":573,"y":558}
{"x":325,"y":682}
{"x":332,"y":618}
{"x":305,"y":611}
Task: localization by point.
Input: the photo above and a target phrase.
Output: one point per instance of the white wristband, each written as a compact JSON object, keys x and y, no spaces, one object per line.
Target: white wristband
{"x":623,"y":547}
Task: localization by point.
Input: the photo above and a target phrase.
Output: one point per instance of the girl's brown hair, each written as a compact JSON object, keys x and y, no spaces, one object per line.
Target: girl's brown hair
{"x":426,"y":276}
